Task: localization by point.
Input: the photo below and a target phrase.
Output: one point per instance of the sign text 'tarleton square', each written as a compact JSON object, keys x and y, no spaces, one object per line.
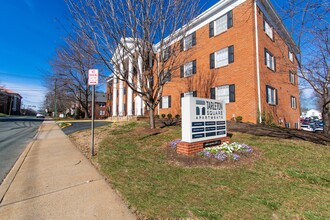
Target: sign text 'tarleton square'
{"x":206,"y":119}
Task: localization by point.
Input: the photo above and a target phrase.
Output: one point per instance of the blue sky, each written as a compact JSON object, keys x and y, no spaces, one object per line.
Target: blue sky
{"x":29,"y":36}
{"x":30,"y":32}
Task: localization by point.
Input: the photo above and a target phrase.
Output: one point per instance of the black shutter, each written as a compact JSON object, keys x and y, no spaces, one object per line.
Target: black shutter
{"x":211,"y":29}
{"x":194,"y":38}
{"x":212,"y":61}
{"x":232,"y":93}
{"x":194,"y":67}
{"x":169,"y":101}
{"x":194,"y":93}
{"x":168,"y":52}
{"x":161,"y":102}
{"x":212,"y":93}
{"x":274,"y":63}
{"x":152,"y":81}
{"x":161,"y":57}
{"x":231,"y":54}
{"x":276,"y":98}
{"x":267,"y":100}
{"x":264,"y":23}
{"x":266,"y":51}
{"x":181,"y":71}
{"x":181,"y":44}
{"x":230,"y":19}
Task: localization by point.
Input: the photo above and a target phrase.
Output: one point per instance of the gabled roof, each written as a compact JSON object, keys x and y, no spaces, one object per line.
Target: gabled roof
{"x":9,"y":92}
{"x":99,"y":97}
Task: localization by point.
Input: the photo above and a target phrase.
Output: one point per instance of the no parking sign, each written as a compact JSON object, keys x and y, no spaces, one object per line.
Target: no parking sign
{"x":93,"y":77}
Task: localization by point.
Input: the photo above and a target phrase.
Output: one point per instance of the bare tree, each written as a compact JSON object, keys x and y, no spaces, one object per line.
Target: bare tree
{"x":145,"y":32}
{"x":202,"y":82}
{"x":61,"y":101}
{"x":70,"y":70}
{"x":310,"y":27}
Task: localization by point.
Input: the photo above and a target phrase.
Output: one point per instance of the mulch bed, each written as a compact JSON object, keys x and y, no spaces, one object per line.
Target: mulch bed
{"x":278,"y":132}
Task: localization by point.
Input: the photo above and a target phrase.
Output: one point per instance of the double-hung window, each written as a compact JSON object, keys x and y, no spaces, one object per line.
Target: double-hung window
{"x":188,"y":42}
{"x":293,"y":102}
{"x":292,"y":78}
{"x":287,"y":125}
{"x":165,"y":102}
{"x":290,"y":55}
{"x":268,"y":29}
{"x":166,"y":53}
{"x":188,"y":69}
{"x":225,"y":93}
{"x":270,"y":60}
{"x":271,"y":95}
{"x":221,"y":24}
{"x":222,"y":57}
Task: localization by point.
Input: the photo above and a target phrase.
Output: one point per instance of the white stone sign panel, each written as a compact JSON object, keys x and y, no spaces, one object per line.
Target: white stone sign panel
{"x":203,"y":119}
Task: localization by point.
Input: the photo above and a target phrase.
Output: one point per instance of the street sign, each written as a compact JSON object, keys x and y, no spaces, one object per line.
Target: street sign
{"x":93,"y":77}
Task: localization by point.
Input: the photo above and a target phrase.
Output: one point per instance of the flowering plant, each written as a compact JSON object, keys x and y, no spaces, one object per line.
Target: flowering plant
{"x":226,"y":150}
{"x":174,"y":143}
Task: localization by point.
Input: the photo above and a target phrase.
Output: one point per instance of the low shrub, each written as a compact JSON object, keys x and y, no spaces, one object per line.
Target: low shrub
{"x":239,"y":119}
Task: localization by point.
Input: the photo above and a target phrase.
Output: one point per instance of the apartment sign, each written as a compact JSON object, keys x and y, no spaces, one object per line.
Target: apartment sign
{"x":93,"y":77}
{"x":203,"y":119}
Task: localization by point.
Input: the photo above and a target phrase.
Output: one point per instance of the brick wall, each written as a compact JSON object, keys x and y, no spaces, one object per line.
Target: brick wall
{"x":242,"y":72}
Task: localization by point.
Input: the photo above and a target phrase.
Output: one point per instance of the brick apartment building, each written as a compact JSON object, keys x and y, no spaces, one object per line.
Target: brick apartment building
{"x":239,"y":52}
{"x":10,"y":102}
{"x":100,"y":108}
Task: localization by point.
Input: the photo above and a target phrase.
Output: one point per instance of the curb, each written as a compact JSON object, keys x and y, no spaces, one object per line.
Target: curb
{"x":14,"y":170}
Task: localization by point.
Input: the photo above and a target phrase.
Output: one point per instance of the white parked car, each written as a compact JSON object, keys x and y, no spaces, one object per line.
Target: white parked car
{"x":39,"y":115}
{"x":306,"y":127}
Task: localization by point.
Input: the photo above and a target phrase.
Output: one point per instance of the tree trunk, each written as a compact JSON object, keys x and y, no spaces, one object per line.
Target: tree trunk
{"x":86,"y":114}
{"x":152,"y":118}
{"x":326,"y":117}
{"x":86,"y":107}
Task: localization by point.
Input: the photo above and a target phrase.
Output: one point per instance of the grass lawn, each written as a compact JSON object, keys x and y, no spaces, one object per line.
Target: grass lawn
{"x":2,"y":115}
{"x":289,"y":180}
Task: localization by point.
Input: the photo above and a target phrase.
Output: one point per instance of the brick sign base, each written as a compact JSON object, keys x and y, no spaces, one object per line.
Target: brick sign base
{"x":186,"y":148}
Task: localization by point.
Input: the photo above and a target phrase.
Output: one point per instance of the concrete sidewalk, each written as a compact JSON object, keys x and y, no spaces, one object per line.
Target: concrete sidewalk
{"x":53,"y":180}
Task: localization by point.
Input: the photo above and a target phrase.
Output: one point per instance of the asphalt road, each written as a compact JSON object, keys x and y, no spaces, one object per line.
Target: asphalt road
{"x":15,"y":135}
{"x":78,"y":126}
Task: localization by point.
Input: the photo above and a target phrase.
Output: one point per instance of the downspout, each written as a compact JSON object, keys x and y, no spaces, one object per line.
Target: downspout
{"x":257,"y":57}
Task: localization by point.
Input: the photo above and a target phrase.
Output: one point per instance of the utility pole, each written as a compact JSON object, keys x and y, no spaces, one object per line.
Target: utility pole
{"x":55,"y":101}
{"x":10,"y":104}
